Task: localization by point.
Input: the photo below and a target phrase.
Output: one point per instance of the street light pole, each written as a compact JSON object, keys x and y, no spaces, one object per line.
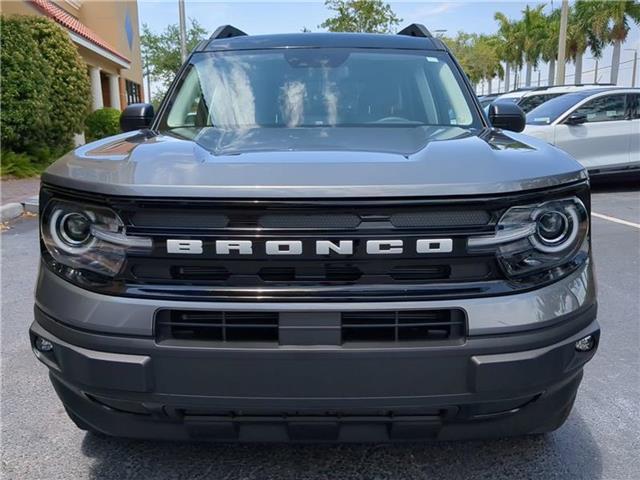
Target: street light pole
{"x":562,"y":42}
{"x":183,"y":31}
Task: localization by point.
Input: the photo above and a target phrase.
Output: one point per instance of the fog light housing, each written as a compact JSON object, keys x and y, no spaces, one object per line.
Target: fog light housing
{"x":43,"y":345}
{"x":586,"y":344}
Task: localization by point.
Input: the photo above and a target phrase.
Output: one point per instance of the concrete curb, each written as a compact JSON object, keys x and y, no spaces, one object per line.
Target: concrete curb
{"x":10,"y":211}
{"x":31,"y":205}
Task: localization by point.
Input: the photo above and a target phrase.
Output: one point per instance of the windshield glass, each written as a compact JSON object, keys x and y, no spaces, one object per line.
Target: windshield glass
{"x":530,"y":102}
{"x":312,"y":87}
{"x":549,"y":111}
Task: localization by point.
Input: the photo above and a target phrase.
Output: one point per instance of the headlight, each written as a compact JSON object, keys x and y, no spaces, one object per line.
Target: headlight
{"x":87,"y":237}
{"x":540,"y":237}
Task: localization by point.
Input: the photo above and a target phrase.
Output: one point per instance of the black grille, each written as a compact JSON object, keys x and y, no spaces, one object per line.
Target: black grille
{"x":403,"y":326}
{"x":306,"y":222}
{"x":441,"y":218}
{"x":311,"y":328}
{"x":207,"y":326}
{"x":284,"y":221}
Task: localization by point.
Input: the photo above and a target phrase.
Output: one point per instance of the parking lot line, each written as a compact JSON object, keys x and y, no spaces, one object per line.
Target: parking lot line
{"x":615,"y":220}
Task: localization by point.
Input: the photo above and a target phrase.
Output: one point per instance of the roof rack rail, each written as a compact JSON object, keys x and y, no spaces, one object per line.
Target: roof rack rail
{"x":227,"y":31}
{"x":416,"y":30}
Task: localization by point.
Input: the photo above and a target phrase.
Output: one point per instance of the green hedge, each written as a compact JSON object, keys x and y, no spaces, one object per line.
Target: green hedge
{"x":45,"y":90}
{"x":102,"y":123}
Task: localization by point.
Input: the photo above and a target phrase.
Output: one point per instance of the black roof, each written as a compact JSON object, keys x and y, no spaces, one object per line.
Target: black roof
{"x":329,"y":40}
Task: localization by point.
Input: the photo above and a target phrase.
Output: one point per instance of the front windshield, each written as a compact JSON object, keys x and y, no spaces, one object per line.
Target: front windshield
{"x":549,"y":111}
{"x":307,"y":87}
{"x":532,"y":101}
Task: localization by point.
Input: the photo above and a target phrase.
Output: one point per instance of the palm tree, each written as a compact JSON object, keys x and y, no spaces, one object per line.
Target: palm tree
{"x":532,"y":30}
{"x":609,"y":23}
{"x":509,"y":46}
{"x":484,"y":51}
{"x":549,"y":50}
{"x":577,"y":43}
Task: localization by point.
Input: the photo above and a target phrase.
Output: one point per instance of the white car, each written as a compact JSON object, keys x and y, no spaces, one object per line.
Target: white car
{"x":599,"y":127}
{"x":538,"y":96}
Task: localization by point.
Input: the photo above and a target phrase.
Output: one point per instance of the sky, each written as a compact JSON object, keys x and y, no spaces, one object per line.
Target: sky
{"x":471,"y":16}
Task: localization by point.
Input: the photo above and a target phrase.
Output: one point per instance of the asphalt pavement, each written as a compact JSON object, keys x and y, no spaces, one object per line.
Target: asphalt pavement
{"x":600,"y":440}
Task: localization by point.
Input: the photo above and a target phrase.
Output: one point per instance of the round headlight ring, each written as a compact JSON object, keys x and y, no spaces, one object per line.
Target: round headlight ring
{"x":552,"y":227}
{"x":75,"y":229}
{"x":563,"y":240}
{"x":62,"y":239}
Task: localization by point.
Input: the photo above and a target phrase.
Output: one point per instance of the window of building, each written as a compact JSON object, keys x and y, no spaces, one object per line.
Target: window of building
{"x":133,"y":92}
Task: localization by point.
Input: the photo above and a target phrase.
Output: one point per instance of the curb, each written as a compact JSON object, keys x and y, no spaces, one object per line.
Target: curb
{"x":10,"y":211}
{"x":13,"y":210}
{"x":31,"y":204}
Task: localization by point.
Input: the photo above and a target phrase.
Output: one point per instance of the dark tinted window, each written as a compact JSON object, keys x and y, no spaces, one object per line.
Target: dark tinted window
{"x":529,"y":103}
{"x":608,"y":108}
{"x":633,"y":105}
{"x":549,"y":112}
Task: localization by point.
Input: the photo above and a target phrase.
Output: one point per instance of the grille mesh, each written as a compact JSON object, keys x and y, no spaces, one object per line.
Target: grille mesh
{"x":441,"y":218}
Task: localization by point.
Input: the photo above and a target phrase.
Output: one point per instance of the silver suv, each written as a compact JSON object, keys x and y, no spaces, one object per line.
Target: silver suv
{"x":318,"y":237}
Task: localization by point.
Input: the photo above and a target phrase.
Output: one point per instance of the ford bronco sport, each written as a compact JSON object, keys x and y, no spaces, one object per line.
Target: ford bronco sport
{"x":317,"y":237}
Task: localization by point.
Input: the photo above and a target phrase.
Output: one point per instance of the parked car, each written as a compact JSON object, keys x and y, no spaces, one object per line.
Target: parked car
{"x":537,"y":97}
{"x":318,"y":237}
{"x":485,"y":100}
{"x":515,"y":95}
{"x":599,"y":127}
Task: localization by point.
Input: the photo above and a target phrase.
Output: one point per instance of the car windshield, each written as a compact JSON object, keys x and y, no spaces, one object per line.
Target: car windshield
{"x":549,"y":111}
{"x":314,"y":87}
{"x":530,"y":102}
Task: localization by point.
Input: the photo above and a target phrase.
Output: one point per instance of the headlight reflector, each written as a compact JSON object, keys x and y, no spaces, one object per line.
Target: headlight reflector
{"x":87,"y":237}
{"x":539,"y":237}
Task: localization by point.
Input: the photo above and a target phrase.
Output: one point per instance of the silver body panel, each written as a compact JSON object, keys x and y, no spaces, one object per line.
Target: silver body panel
{"x":316,"y":163}
{"x":488,"y":315}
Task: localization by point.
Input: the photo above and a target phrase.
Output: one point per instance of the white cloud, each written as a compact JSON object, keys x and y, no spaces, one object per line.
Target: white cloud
{"x":434,"y":9}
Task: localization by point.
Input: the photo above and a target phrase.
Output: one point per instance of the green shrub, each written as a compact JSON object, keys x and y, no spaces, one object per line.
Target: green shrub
{"x":69,"y":86}
{"x":27,"y":164}
{"x":102,"y":123}
{"x":25,"y":86}
{"x":45,"y":90}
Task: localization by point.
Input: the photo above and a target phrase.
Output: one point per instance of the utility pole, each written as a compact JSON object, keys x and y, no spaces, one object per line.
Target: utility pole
{"x":595,"y":73}
{"x":562,"y":42}
{"x":539,"y":77}
{"x":635,"y":65}
{"x":183,"y":31}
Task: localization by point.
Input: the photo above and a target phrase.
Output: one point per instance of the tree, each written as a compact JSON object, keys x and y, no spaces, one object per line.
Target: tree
{"x":45,"y":87}
{"x":532,"y":29}
{"x":477,"y":55}
{"x":577,"y":43}
{"x":373,"y":16}
{"x":161,"y":52}
{"x":549,"y":50}
{"x":510,"y":45}
{"x":609,"y":23}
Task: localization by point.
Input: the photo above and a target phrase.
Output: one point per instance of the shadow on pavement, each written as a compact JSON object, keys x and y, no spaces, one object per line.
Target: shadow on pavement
{"x":629,"y":183}
{"x":570,"y":452}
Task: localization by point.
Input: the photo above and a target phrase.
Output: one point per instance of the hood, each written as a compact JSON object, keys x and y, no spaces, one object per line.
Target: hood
{"x":393,"y":161}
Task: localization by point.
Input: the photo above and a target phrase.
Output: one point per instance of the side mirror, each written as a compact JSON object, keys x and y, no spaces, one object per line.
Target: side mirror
{"x":507,"y":115}
{"x":136,"y":116}
{"x":576,"y":119}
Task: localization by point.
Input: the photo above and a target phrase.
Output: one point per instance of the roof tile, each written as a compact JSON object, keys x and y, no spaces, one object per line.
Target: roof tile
{"x":73,"y":24}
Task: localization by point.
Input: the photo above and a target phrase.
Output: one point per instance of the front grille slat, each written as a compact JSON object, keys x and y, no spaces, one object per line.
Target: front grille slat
{"x":307,"y":222}
{"x":384,"y":328}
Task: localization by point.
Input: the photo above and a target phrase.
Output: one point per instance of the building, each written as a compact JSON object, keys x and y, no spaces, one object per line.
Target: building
{"x":108,"y":39}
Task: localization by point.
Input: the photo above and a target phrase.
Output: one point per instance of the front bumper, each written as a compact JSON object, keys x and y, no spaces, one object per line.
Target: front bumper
{"x":492,"y":385}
